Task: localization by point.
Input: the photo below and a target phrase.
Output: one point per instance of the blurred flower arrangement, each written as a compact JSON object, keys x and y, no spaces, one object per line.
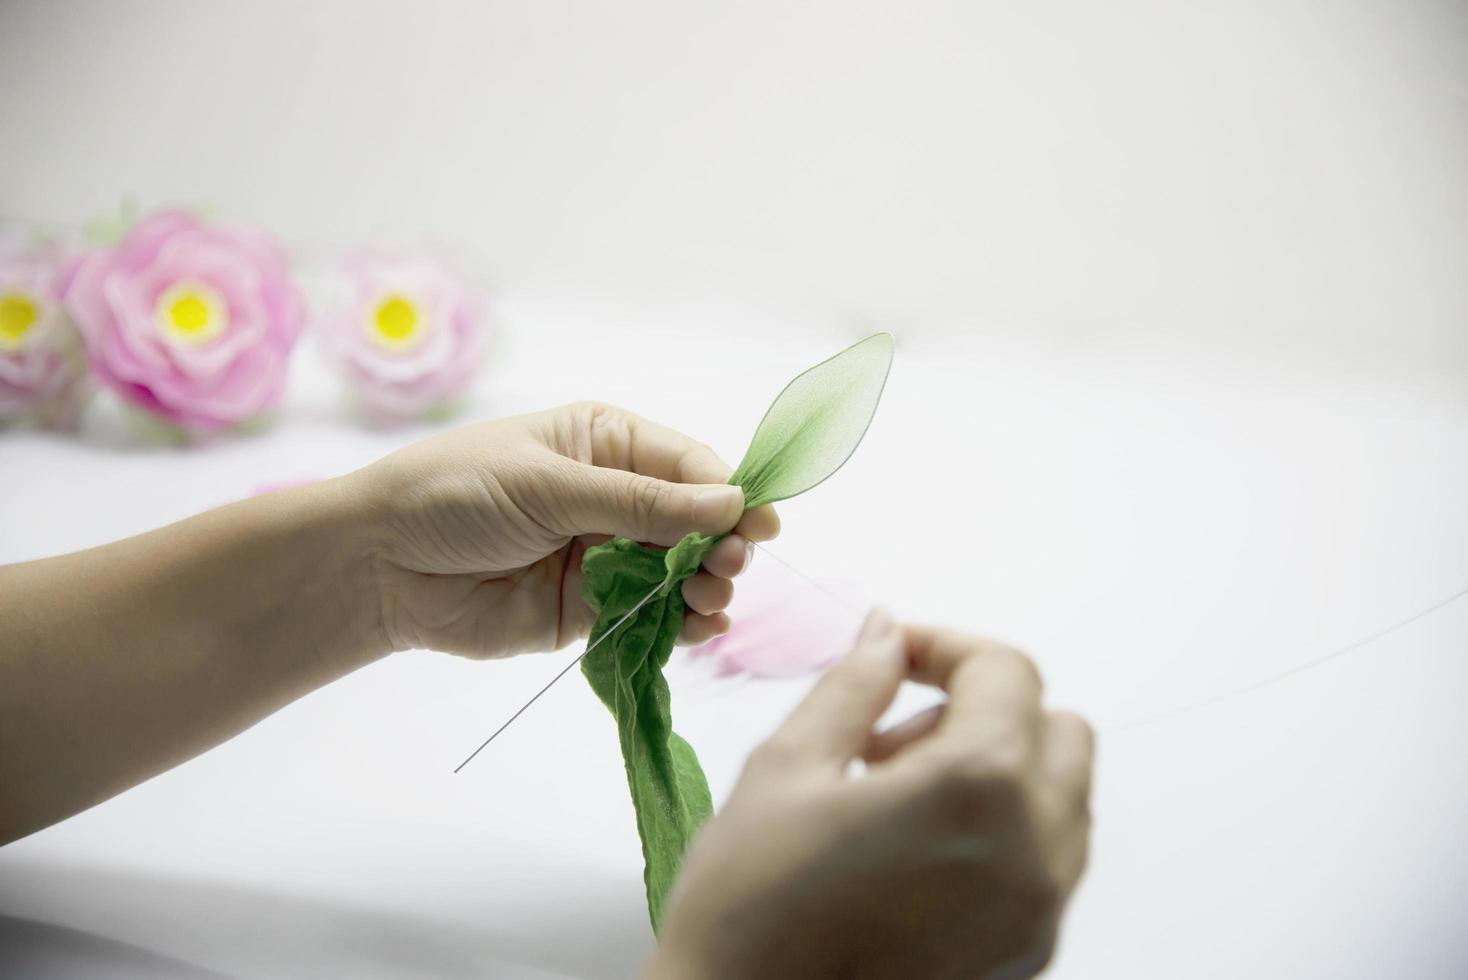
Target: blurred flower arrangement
{"x":193,"y":325}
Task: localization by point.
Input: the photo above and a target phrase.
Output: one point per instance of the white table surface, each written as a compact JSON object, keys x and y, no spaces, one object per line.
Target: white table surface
{"x":1153,"y":528}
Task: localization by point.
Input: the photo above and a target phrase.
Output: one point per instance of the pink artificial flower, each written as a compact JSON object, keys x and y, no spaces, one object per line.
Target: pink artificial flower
{"x":783,"y":626}
{"x":192,"y":322}
{"x":405,"y":332}
{"x":43,"y":374}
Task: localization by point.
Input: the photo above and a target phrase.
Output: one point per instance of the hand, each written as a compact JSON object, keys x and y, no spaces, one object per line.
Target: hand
{"x":485,"y":526}
{"x":952,"y":856}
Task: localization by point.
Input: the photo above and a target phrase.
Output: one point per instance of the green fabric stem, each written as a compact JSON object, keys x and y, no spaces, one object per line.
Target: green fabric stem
{"x":810,"y":430}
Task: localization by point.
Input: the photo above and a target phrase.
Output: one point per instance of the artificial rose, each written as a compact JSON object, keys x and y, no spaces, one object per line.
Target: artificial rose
{"x":405,"y":332}
{"x":43,"y":374}
{"x":191,"y":322}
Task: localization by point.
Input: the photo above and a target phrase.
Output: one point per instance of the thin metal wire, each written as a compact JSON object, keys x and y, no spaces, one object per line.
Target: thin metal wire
{"x":564,"y":671}
{"x":1145,"y":721}
{"x":814,"y":584}
{"x":1212,"y":699}
{"x":640,"y":603}
{"x":1229,"y":695}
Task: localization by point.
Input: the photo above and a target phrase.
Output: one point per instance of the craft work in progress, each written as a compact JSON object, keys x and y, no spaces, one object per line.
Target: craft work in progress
{"x":812,"y":428}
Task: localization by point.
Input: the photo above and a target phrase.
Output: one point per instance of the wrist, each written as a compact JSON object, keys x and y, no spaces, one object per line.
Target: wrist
{"x":337,"y":534}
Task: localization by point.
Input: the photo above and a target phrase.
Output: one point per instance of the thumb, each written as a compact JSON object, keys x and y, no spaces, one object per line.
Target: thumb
{"x":834,"y":722}
{"x":599,"y":500}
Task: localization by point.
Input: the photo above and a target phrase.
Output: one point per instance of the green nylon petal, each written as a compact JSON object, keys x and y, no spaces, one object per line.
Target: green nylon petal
{"x":812,"y":428}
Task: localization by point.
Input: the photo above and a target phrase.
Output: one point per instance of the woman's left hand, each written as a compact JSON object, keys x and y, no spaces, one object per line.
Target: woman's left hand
{"x":482,"y":529}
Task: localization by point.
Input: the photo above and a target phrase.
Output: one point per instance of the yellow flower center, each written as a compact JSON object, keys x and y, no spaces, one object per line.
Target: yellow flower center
{"x":18,"y":313}
{"x":189,"y":314}
{"x":396,"y":322}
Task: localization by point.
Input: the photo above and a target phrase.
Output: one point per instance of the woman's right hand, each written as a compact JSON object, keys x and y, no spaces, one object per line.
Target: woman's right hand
{"x":952,"y":856}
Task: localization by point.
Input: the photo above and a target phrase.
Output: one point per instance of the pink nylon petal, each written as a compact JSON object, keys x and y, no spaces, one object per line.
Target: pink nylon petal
{"x":783,"y":626}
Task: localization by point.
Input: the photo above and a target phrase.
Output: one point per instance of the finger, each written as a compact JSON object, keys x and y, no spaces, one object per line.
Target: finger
{"x":937,"y":654}
{"x":624,"y":440}
{"x":993,"y":690}
{"x":1074,"y":849}
{"x":760,"y":524}
{"x":885,"y":744}
{"x":657,"y":450}
{"x":576,"y":615}
{"x":575,"y":498}
{"x":1066,"y":763}
{"x":972,"y":667}
{"x":707,"y":594}
{"x":730,"y":557}
{"x":698,"y":628}
{"x":834,"y":722}
{"x":1066,"y":755}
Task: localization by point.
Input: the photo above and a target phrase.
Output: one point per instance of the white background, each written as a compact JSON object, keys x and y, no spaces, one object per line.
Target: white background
{"x":1180,"y":402}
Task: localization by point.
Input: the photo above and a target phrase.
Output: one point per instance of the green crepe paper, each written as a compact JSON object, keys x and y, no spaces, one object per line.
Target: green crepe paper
{"x":812,"y":428}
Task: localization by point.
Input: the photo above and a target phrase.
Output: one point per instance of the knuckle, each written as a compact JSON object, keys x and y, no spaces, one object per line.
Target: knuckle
{"x":602,"y":421}
{"x":596,"y":411}
{"x":1071,"y":763}
{"x":697,"y":452}
{"x":1076,"y":801}
{"x":1075,"y":725}
{"x":1016,"y":661}
{"x":1006,"y":753}
{"x":578,"y":417}
{"x":700,"y":464}
{"x":649,"y":497}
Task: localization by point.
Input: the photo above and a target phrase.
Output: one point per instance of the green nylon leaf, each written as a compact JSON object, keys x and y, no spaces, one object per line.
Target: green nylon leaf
{"x":815,"y":424}
{"x":813,"y":427}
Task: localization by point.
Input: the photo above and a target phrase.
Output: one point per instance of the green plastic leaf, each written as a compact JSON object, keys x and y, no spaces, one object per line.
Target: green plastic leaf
{"x":808,"y":433}
{"x":815,"y":424}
